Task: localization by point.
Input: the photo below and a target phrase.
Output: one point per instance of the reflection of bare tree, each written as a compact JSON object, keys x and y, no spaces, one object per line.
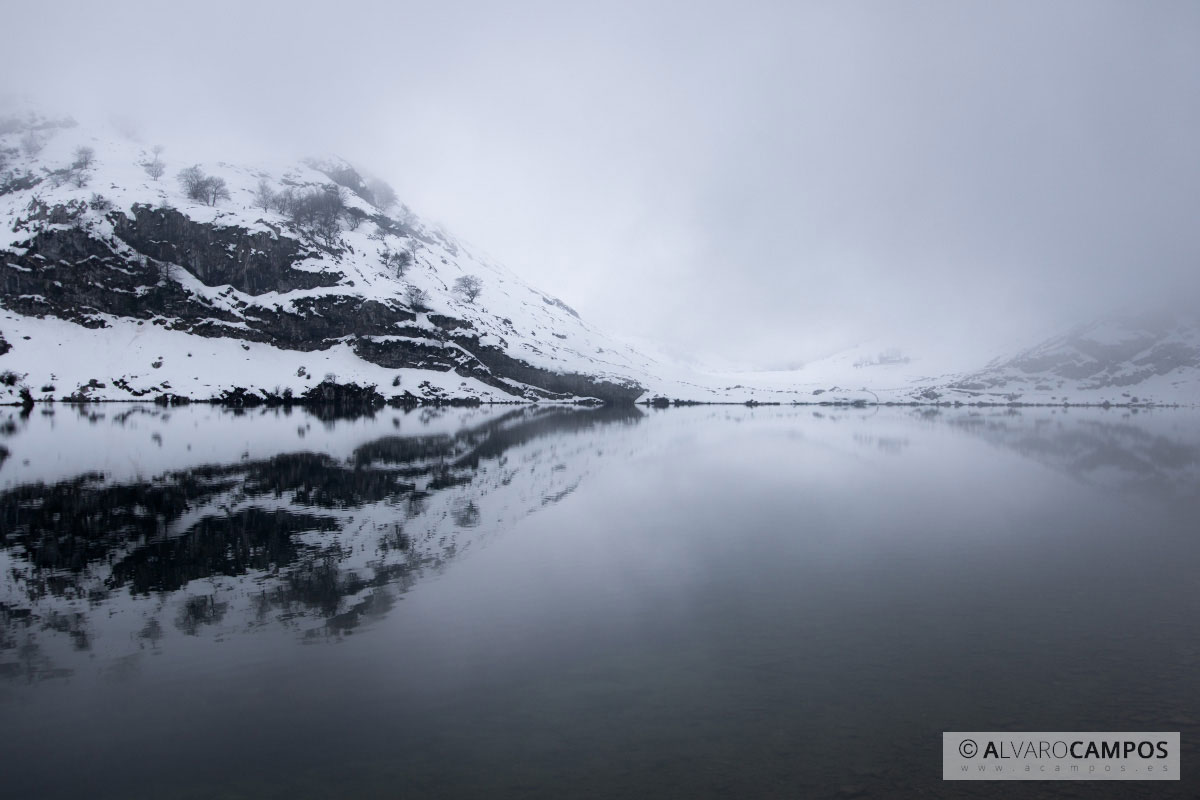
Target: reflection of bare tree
{"x":415,"y":505}
{"x":310,"y":537}
{"x":196,"y":612}
{"x":394,"y":540}
{"x":466,"y":514}
{"x":152,"y":631}
{"x":24,"y":658}
{"x":73,"y":624}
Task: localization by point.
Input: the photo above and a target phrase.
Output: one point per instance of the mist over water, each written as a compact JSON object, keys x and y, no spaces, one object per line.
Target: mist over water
{"x":549,"y":602}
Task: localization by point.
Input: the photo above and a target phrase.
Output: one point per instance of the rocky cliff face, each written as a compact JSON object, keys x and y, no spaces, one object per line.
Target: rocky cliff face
{"x":107,"y":271}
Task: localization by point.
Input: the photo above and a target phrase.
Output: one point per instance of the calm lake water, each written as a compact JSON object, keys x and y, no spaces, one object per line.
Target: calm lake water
{"x":547,"y":603}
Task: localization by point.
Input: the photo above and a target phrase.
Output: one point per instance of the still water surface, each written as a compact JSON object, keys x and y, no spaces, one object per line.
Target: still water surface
{"x":548,"y":603}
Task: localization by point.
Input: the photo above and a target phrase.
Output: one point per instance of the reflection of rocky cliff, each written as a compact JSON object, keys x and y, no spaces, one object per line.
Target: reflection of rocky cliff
{"x":302,"y":540}
{"x":1148,"y":452}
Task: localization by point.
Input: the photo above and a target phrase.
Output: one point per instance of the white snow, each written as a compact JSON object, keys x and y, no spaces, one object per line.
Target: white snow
{"x":509,"y":314}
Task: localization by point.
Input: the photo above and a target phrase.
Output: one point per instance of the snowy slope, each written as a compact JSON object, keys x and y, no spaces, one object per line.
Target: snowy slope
{"x":1121,"y":360}
{"x":149,"y":351}
{"x":337,"y":310}
{"x":114,"y":285}
{"x":870,"y":372}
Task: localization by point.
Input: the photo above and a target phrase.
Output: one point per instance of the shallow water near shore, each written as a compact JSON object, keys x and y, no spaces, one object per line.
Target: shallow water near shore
{"x":552,"y":602}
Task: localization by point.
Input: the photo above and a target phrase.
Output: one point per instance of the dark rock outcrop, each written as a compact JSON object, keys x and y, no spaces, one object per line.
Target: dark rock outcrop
{"x":252,"y":262}
{"x":68,"y":270}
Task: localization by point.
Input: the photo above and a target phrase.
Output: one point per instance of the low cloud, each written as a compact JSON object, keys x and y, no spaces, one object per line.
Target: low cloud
{"x":755,"y":184}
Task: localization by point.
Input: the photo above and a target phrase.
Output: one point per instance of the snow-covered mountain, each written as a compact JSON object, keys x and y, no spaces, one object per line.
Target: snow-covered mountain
{"x":1131,"y":359}
{"x":1121,"y":360}
{"x":118,"y":283}
{"x":129,"y":272}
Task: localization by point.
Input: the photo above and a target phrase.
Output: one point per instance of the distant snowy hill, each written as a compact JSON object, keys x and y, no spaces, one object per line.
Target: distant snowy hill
{"x":1119,"y":360}
{"x":1122,"y":360}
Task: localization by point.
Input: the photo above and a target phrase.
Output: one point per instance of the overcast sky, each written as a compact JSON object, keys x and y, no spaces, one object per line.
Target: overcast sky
{"x":757,"y":183}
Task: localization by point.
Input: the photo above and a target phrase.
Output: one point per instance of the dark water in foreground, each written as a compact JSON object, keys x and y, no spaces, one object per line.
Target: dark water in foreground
{"x":549,"y":603}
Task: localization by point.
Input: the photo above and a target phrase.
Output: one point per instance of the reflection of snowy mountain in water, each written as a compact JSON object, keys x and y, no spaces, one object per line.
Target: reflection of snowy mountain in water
{"x":309,"y":541}
{"x":180,"y":528}
{"x":1150,"y":451}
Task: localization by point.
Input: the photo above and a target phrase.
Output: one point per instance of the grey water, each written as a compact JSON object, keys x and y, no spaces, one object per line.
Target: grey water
{"x":544,"y":602}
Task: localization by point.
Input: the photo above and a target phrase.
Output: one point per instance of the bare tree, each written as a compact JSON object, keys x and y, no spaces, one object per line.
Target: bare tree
{"x":85,"y":157}
{"x":32,"y":144}
{"x":77,"y":173}
{"x":215,"y":189}
{"x":418,"y":299}
{"x":192,"y":180}
{"x":282,"y":201}
{"x":399,"y":261}
{"x":203,"y":188}
{"x":155,"y":168}
{"x":264,"y":195}
{"x":383,"y":194}
{"x":318,"y":211}
{"x":469,"y":286}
